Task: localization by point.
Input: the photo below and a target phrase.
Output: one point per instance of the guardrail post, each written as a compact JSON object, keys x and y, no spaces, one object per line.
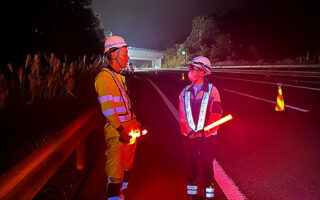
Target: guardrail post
{"x":81,"y":156}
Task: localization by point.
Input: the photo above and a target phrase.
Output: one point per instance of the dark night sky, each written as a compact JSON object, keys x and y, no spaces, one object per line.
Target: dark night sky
{"x":157,"y":24}
{"x":291,"y":27}
{"x":277,"y":28}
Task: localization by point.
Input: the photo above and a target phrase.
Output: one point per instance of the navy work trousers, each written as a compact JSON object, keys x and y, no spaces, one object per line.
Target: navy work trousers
{"x":200,"y":150}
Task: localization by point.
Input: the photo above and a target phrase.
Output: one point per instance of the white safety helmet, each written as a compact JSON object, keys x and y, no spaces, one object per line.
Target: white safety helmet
{"x":114,"y":42}
{"x":201,"y":62}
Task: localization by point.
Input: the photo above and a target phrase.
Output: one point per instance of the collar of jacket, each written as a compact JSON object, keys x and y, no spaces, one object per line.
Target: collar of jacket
{"x":111,"y":68}
{"x":205,"y":86}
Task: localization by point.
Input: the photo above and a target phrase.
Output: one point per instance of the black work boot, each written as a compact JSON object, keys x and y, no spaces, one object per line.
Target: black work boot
{"x":209,"y":192}
{"x":192,"y":191}
{"x":114,"y":191}
{"x":125,"y":182}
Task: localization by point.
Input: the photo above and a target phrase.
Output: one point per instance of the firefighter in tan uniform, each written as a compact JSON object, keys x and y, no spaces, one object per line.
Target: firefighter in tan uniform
{"x":116,"y":107}
{"x":199,"y":106}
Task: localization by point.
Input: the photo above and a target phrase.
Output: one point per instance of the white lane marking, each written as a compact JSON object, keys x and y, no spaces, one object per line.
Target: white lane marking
{"x":226,"y":184}
{"x":228,"y":187}
{"x":266,"y":100}
{"x":263,"y":82}
{"x":166,"y":100}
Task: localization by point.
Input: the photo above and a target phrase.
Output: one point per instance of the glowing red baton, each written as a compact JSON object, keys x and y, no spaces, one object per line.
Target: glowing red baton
{"x":218,"y":122}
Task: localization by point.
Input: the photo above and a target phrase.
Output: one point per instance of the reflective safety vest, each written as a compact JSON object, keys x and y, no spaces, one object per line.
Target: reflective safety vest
{"x":203,"y":109}
{"x":207,"y":105}
{"x":124,"y":113}
{"x":114,"y":101}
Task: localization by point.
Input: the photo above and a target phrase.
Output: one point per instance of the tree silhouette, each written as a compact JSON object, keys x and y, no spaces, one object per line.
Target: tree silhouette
{"x":62,"y":27}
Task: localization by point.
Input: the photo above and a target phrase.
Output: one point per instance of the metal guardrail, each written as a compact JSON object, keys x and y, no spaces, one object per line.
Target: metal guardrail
{"x":25,"y":180}
{"x":312,"y":66}
{"x":293,"y":67}
{"x":306,"y":71}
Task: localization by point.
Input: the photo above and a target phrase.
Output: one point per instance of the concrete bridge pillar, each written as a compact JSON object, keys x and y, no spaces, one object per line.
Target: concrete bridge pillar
{"x":158,"y":63}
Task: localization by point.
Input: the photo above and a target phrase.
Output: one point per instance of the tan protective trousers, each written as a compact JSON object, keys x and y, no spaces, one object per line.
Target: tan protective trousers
{"x":119,"y":157}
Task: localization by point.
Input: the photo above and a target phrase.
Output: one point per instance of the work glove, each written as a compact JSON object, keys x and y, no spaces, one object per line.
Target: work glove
{"x":193,"y":134}
{"x":124,"y":135}
{"x":126,"y":128}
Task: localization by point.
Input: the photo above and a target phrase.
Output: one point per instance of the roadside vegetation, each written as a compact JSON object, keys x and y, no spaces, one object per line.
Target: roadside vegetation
{"x":40,"y":98}
{"x":207,"y":39}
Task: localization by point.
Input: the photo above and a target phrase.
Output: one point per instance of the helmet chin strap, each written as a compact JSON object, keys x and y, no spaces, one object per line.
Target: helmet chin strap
{"x":116,"y":58}
{"x":118,"y":52}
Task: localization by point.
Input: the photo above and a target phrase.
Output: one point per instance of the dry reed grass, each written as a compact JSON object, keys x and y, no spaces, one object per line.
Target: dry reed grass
{"x":3,"y":91}
{"x":47,"y":78}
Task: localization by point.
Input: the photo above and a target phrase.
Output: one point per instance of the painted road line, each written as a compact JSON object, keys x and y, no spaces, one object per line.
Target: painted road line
{"x":263,"y":82}
{"x":169,"y":104}
{"x":226,"y":184}
{"x":266,"y":100}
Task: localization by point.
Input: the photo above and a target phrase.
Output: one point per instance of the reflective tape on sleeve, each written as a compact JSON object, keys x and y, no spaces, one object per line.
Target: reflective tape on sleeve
{"x":108,"y":112}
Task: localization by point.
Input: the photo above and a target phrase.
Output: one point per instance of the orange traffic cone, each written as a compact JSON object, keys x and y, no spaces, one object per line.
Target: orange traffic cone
{"x":182,"y":76}
{"x":280,"y":100}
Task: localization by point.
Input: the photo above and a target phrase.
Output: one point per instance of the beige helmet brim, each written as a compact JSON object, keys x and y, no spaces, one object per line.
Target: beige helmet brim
{"x":207,"y":71}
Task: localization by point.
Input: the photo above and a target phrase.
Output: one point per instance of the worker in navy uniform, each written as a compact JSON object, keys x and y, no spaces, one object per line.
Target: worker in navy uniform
{"x":199,"y":106}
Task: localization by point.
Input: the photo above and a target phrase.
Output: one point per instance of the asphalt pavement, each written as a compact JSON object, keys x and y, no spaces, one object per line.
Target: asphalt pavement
{"x":267,"y":154}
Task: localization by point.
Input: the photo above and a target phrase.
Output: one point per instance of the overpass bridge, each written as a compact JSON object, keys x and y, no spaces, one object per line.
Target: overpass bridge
{"x":146,"y":54}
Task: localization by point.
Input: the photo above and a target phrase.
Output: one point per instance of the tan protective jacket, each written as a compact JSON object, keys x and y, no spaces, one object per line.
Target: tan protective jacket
{"x":115,"y":103}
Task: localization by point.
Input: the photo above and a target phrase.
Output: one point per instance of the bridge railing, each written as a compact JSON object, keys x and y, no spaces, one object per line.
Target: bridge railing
{"x":25,"y":180}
